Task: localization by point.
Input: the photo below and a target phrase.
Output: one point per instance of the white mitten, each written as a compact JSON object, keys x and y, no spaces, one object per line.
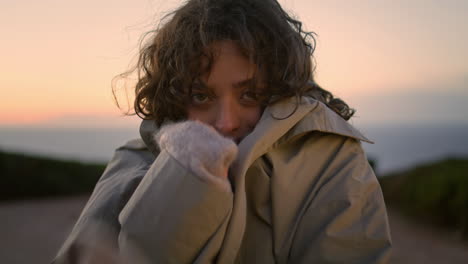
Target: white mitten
{"x":201,"y":149}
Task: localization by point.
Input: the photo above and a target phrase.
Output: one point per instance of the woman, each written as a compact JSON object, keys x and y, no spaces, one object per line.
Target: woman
{"x":243,"y":158}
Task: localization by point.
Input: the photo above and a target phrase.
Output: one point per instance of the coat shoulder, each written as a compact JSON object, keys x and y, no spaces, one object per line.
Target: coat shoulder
{"x":323,"y":119}
{"x":135,"y":149}
{"x":134,"y":144}
{"x":128,"y":158}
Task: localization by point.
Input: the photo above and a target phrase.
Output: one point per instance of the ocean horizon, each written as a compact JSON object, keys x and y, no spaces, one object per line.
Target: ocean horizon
{"x":397,"y":147}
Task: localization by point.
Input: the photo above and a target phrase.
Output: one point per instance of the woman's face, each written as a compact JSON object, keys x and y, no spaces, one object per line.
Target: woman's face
{"x":225,"y":97}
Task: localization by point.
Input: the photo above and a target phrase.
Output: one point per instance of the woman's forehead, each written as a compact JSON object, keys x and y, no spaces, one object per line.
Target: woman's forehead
{"x":228,"y":53}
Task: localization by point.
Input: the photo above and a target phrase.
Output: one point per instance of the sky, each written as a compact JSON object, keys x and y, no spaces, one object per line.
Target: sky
{"x":401,"y":61}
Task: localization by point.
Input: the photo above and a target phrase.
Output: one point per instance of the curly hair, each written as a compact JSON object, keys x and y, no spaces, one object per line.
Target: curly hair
{"x":274,"y":41}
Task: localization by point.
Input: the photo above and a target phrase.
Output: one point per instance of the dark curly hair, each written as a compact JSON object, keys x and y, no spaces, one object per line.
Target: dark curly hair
{"x":273,"y":40}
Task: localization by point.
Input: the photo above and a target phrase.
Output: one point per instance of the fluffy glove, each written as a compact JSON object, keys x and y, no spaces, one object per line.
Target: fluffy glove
{"x":201,"y":149}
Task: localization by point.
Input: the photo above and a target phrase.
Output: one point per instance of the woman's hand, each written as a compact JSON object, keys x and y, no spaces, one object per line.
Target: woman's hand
{"x":200,"y":148}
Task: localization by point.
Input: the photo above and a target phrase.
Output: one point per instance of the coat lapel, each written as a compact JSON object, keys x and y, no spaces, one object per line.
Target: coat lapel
{"x":275,"y":122}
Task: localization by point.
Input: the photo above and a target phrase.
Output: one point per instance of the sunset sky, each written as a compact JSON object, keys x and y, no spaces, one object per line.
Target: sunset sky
{"x":402,"y":61}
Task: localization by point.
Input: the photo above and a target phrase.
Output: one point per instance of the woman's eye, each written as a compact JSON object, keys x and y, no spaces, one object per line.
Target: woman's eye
{"x":199,"y":98}
{"x":250,"y":97}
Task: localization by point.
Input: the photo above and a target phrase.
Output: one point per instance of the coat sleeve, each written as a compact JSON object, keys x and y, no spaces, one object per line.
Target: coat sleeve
{"x":174,"y":216}
{"x":157,"y":209}
{"x":122,"y":175}
{"x":345,"y":220}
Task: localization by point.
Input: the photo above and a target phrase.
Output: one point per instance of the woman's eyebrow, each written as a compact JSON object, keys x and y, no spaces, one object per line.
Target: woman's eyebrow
{"x":244,"y":83}
{"x":200,"y":85}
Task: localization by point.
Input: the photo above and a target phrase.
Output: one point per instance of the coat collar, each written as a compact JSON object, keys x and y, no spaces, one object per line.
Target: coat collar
{"x":323,"y":119}
{"x":291,"y":118}
{"x":148,"y":130}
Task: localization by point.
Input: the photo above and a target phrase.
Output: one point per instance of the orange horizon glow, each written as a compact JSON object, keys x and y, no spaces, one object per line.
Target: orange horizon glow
{"x":59,"y":58}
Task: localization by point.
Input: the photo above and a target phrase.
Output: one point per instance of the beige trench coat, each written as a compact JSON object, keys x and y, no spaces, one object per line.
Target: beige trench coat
{"x":303,"y":192}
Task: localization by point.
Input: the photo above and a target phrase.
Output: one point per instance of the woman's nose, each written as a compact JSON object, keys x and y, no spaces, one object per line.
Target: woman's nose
{"x":227,"y":119}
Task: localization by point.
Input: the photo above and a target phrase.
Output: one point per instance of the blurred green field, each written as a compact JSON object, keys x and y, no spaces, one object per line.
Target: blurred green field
{"x":435,"y":193}
{"x":26,"y":176}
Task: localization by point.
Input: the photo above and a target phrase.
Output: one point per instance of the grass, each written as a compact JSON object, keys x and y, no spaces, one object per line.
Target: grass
{"x":435,"y":193}
{"x":25,"y":176}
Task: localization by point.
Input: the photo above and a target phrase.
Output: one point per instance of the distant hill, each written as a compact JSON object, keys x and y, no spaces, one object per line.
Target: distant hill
{"x":26,"y":176}
{"x":434,"y":193}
